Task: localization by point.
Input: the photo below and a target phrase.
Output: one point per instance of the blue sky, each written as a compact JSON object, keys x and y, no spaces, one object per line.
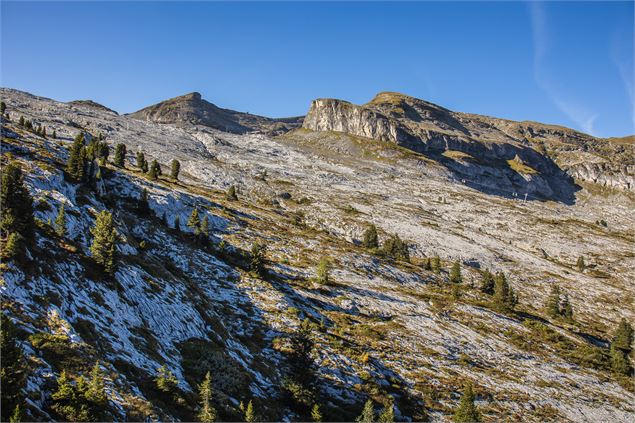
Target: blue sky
{"x":562,"y":63}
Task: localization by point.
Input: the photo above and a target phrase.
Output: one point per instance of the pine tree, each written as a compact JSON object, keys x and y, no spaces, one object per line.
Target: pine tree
{"x":176,"y":168}
{"x":165,"y":380}
{"x":387,"y":415}
{"x":104,"y":242}
{"x":3,"y":107}
{"x":257,"y":264}
{"x":566,"y":310}
{"x":250,"y":415}
{"x":17,"y":414}
{"x":395,"y":248}
{"x":155,"y":170}
{"x":96,"y":391}
{"x":16,"y":211}
{"x":504,"y":297}
{"x":623,"y":337}
{"x":120,"y":155}
{"x":141,"y":161}
{"x":580,"y":264}
{"x":368,"y":413}
{"x":231,"y":193}
{"x":552,"y":305}
{"x":323,"y":271}
{"x":54,"y":134}
{"x":76,"y":163}
{"x":435,"y":264}
{"x":13,"y":247}
{"x":44,"y":132}
{"x":207,"y":412}
{"x":194,"y":222}
{"x":204,"y":227}
{"x":302,"y":367}
{"x":12,"y":368}
{"x":370,"y":239}
{"x":467,"y":412}
{"x":455,"y":273}
{"x":60,"y":222}
{"x":487,"y":283}
{"x":316,"y":413}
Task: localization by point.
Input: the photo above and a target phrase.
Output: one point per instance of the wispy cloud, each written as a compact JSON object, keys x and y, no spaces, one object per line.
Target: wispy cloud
{"x":581,"y":115}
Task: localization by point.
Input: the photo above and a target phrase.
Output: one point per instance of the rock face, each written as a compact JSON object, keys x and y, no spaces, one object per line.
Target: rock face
{"x":490,"y":142}
{"x":191,"y":109}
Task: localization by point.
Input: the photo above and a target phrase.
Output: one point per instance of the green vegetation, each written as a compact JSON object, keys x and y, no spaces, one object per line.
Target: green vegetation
{"x":120,"y":155}
{"x":104,"y":245}
{"x":60,"y":222}
{"x":81,"y":401}
{"x":504,"y":298}
{"x":435,"y":264}
{"x":466,"y":411}
{"x":517,"y":164}
{"x":16,"y":214}
{"x":258,"y":260}
{"x":194,"y":222}
{"x":487,"y":282}
{"x":175,"y":169}
{"x":368,"y":413}
{"x":231,"y":193}
{"x":323,"y":271}
{"x":13,"y":370}
{"x":455,"y":273}
{"x":142,"y":163}
{"x":621,"y":348}
{"x":155,"y":170}
{"x":207,"y":412}
{"x":165,"y":381}
{"x":369,"y":239}
{"x":76,"y":163}
{"x":395,"y":248}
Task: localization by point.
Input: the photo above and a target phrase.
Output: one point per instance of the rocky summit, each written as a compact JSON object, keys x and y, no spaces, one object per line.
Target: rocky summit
{"x":391,"y":261}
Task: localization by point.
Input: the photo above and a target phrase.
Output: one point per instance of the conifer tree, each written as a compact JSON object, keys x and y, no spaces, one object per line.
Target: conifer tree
{"x":301,"y":363}
{"x":76,"y":163}
{"x":467,"y":411}
{"x":16,"y":211}
{"x":387,"y":415}
{"x":155,"y":170}
{"x":455,"y":273}
{"x":204,"y":227}
{"x":44,"y":132}
{"x":176,"y":168}
{"x":435,"y":264}
{"x":257,"y":264}
{"x":96,"y":391}
{"x":487,"y":283}
{"x":580,"y":264}
{"x":552,"y":305}
{"x":143,"y":206}
{"x":395,"y":248}
{"x":21,"y":121}
{"x":566,"y":310}
{"x":17,"y":414}
{"x":165,"y":380}
{"x":323,"y":271}
{"x":250,"y":415}
{"x":619,"y":361}
{"x":120,"y":155}
{"x":231,"y":193}
{"x":207,"y":412}
{"x":3,"y":107}
{"x":504,"y":297}
{"x":368,"y":413}
{"x":54,"y":134}
{"x":13,"y":247}
{"x":104,"y":242}
{"x":316,"y":413}
{"x":194,"y":222}
{"x":12,"y":368}
{"x":60,"y":222}
{"x":623,"y":336}
{"x":370,"y":239}
{"x":426,"y":264}
{"x":141,"y":161}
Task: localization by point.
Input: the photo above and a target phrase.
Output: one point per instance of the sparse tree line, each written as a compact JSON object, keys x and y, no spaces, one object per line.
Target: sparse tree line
{"x":39,"y":130}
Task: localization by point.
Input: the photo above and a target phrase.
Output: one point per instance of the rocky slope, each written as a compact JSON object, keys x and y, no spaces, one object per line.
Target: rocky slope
{"x":424,"y":127}
{"x":388,"y":330}
{"x":193,"y":110}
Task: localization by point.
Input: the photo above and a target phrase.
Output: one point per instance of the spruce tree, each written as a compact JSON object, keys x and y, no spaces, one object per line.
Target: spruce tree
{"x":76,"y":163}
{"x":368,"y":413}
{"x":155,"y":170}
{"x":466,"y":411}
{"x":302,"y":367}
{"x":567,"y":310}
{"x":54,"y":134}
{"x":165,"y":380}
{"x":623,"y":336}
{"x":257,"y":264}
{"x":141,"y":161}
{"x":231,"y":193}
{"x":120,"y":155}
{"x":387,"y":415}
{"x":16,"y":211}
{"x":487,"y":283}
{"x":96,"y":391}
{"x":3,"y":107}
{"x":204,"y":227}
{"x":207,"y":412}
{"x":13,"y":247}
{"x":17,"y":414}
{"x":323,"y":271}
{"x":435,"y":264}
{"x":176,"y":168}
{"x":316,"y":413}
{"x":395,"y":248}
{"x":580,"y":264}
{"x":104,"y":243}
{"x":370,"y":239}
{"x":455,"y":273}
{"x":504,"y":297}
{"x":250,"y":415}
{"x":12,"y":368}
{"x":194,"y":222}
{"x":552,"y":306}
{"x":60,"y":222}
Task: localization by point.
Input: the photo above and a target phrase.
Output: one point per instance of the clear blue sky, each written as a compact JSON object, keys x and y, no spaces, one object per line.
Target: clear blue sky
{"x":562,"y":63}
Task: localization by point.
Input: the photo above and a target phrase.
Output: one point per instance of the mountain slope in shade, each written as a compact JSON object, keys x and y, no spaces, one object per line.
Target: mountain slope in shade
{"x":191,"y":109}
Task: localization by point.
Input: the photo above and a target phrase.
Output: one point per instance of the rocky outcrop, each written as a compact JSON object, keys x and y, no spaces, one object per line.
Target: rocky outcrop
{"x":192,"y":109}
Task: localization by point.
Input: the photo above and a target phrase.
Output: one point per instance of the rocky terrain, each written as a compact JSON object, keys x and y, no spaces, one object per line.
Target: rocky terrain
{"x":391,"y":330}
